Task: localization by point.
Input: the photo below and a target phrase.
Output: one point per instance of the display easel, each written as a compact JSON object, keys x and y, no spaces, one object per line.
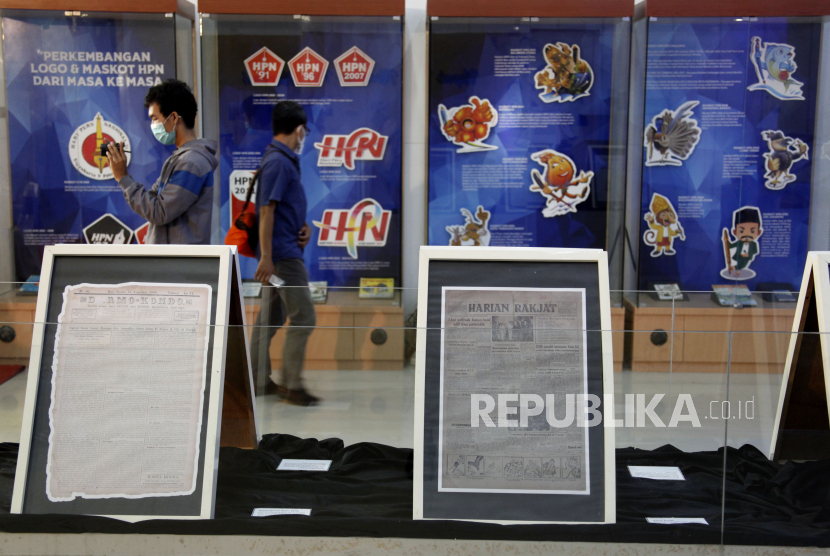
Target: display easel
{"x":230,"y":418}
{"x":802,"y":421}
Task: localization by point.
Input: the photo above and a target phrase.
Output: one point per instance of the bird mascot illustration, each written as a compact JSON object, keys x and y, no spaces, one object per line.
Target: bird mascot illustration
{"x":672,"y":136}
{"x":561,"y":189}
{"x":781,"y":157}
{"x":663,"y":227}
{"x":774,"y":66}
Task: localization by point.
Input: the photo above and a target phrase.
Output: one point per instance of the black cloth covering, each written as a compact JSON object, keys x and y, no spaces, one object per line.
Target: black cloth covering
{"x":368,"y":493}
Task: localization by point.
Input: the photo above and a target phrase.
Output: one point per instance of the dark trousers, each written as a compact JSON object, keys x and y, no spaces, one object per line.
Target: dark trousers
{"x":293,"y":302}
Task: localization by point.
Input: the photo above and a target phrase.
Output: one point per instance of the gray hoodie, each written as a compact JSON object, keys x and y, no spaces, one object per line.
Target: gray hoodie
{"x":180,"y":203}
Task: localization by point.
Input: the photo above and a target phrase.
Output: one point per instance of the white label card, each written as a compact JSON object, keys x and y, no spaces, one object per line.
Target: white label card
{"x":304,"y":465}
{"x":656,"y":473}
{"x":265,"y":512}
{"x":676,"y":520}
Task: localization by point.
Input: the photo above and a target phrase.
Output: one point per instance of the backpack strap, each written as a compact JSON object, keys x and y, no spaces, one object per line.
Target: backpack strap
{"x":255,"y":179}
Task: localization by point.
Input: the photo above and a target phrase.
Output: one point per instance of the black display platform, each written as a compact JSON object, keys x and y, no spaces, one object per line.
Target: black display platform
{"x":368,"y":493}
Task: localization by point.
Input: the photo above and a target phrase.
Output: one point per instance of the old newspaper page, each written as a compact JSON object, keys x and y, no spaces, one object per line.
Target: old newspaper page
{"x":128,"y":381}
{"x":498,"y":346}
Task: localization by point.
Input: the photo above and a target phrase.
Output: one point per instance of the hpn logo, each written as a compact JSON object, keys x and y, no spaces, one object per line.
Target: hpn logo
{"x":308,"y":69}
{"x":108,"y":230}
{"x":343,"y":150}
{"x":366,"y":224}
{"x":354,"y":68}
{"x":85,"y":147}
{"x":264,"y":68}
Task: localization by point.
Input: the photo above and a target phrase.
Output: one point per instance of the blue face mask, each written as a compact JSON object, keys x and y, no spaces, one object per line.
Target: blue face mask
{"x":165,"y":137}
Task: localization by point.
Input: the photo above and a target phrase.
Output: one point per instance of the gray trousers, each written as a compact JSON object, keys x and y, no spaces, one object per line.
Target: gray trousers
{"x":292,"y":302}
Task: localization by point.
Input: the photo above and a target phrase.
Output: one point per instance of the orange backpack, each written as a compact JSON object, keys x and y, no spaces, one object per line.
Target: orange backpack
{"x":244,"y":232}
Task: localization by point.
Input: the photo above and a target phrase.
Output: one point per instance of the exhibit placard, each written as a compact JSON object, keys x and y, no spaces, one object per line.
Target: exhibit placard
{"x":513,"y":367}
{"x":128,"y":399}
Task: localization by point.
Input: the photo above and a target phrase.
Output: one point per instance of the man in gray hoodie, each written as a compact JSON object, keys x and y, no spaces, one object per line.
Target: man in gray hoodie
{"x":180,"y":204}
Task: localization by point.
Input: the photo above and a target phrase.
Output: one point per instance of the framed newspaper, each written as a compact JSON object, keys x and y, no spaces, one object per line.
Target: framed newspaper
{"x":123,"y":415}
{"x":514,"y":375}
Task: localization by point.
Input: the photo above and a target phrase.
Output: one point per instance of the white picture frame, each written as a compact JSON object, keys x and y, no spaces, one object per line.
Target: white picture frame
{"x":228,"y":271}
{"x":517,"y":254}
{"x":815,"y":285}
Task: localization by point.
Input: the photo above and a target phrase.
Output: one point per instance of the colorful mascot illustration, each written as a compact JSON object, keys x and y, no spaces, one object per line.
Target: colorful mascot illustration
{"x":783,"y":152}
{"x":663,"y":227}
{"x":566,"y":77}
{"x":562,"y":191}
{"x":475,"y":230}
{"x":672,"y":137}
{"x":774,"y":66}
{"x":469,"y":125}
{"x":739,"y":254}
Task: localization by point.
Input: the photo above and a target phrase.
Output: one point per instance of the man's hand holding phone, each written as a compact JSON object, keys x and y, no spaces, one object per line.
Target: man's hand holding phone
{"x":117,"y":160}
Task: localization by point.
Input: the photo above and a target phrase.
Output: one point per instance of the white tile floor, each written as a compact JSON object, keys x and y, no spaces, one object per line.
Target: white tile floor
{"x":378,"y":406}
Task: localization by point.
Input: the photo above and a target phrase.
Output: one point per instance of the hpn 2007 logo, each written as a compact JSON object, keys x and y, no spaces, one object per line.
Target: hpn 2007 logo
{"x":366,"y":224}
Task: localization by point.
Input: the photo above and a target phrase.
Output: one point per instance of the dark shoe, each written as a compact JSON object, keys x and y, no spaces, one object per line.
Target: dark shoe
{"x":272,"y":388}
{"x":301,"y":397}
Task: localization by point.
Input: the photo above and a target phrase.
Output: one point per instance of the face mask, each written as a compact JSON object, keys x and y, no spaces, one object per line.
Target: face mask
{"x":299,"y":148}
{"x":165,"y":137}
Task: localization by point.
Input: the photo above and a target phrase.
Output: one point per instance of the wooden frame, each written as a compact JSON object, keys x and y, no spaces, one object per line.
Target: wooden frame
{"x":228,"y":283}
{"x":530,"y":8}
{"x":181,"y":7}
{"x":532,"y":254}
{"x":305,"y":7}
{"x":736,"y":8}
{"x":815,"y":288}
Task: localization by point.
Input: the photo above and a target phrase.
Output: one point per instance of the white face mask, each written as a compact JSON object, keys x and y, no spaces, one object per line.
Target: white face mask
{"x":299,"y":148}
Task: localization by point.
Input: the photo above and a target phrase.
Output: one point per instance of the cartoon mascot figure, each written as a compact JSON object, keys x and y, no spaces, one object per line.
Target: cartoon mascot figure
{"x":663,"y":227}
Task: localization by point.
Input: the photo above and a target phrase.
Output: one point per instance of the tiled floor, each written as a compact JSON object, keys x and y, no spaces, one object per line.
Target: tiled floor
{"x":378,"y":406}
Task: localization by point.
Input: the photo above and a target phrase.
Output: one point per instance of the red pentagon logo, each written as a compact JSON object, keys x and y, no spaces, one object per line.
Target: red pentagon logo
{"x":264,"y":68}
{"x":354,"y":68}
{"x":141,"y":233}
{"x":308,"y":69}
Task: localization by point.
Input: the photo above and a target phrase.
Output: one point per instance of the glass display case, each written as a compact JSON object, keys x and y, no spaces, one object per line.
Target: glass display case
{"x":71,"y":81}
{"x":526,"y":126}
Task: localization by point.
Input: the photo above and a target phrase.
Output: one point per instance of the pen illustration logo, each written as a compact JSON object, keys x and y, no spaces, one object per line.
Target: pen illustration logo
{"x":366,"y":224}
{"x":343,"y":150}
{"x":85,"y":147}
